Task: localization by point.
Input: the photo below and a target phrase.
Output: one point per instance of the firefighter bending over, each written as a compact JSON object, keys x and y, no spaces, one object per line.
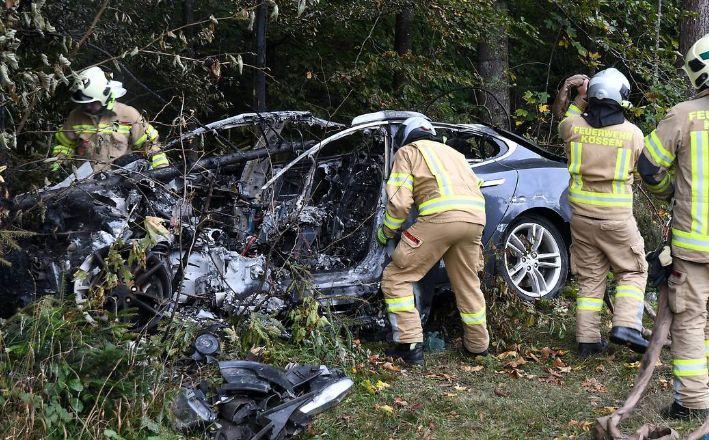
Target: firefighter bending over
{"x":451,"y":218}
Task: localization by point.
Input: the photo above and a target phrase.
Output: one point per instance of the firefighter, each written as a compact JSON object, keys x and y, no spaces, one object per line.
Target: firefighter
{"x":100,"y":129}
{"x":603,"y":149}
{"x":451,"y":218}
{"x":675,"y":163}
{"x":561,"y":106}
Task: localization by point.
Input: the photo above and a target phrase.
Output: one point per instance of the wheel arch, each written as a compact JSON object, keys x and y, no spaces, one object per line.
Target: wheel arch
{"x":552,"y":216}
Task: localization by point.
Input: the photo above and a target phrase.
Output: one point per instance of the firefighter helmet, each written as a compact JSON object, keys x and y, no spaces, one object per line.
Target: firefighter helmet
{"x":92,"y":85}
{"x":413,"y":129}
{"x":696,"y":62}
{"x":610,"y":84}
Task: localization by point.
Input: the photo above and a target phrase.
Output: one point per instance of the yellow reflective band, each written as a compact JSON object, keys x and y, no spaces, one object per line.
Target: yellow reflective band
{"x":629,"y":291}
{"x":151,"y":132}
{"x":393,"y":223}
{"x":403,"y":304}
{"x":63,"y":139}
{"x":690,"y":240}
{"x":159,"y":160}
{"x":662,"y":185}
{"x":658,"y":152}
{"x":589,"y":304}
{"x":575,"y":165}
{"x":63,"y":149}
{"x":476,"y":318}
{"x":453,"y":203}
{"x":706,"y":347}
{"x":401,"y":179}
{"x":699,"y":147}
{"x":689,"y":367}
{"x":101,"y":129}
{"x":599,"y":198}
{"x":434,"y":165}
{"x":622,"y":165}
{"x":573,"y":110}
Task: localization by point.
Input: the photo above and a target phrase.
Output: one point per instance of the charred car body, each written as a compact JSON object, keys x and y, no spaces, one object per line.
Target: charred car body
{"x":295,"y":203}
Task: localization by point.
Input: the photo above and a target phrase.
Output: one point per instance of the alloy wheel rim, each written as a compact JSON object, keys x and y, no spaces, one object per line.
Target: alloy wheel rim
{"x":533,"y":259}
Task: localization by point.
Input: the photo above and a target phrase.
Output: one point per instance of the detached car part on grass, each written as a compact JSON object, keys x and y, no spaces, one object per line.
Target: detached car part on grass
{"x":258,"y":401}
{"x":294,"y":207}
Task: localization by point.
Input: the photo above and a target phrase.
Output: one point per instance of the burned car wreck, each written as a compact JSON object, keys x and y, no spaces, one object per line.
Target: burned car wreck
{"x":291,"y":208}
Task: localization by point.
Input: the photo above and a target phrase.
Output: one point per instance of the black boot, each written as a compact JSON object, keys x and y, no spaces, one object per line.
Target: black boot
{"x":677,"y":411}
{"x":411,"y":353}
{"x":473,"y":354}
{"x":587,"y":349}
{"x":629,"y":337}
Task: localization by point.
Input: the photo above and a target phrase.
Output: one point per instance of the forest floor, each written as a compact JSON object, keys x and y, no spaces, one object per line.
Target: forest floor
{"x":537,"y":388}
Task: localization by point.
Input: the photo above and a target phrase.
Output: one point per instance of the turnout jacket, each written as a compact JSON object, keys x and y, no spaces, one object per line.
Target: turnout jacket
{"x":601,"y":164}
{"x":438,"y":180}
{"x":678,"y":155}
{"x":107,"y":136}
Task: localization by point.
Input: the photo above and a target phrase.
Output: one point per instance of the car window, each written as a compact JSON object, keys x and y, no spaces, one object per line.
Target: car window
{"x":475,"y":147}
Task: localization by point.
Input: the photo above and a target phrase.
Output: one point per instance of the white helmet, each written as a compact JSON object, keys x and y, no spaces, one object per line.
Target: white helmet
{"x":696,"y":62}
{"x":92,"y":85}
{"x":610,"y":84}
{"x":412,"y":129}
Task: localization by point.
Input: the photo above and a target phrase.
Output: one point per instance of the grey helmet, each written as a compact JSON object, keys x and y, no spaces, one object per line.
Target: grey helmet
{"x":413,"y":129}
{"x":610,"y":84}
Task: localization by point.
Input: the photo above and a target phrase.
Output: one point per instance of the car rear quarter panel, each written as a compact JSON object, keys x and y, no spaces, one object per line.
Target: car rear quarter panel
{"x":542,"y":188}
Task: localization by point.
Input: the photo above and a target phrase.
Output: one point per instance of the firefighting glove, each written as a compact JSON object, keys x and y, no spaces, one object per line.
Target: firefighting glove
{"x":382,"y":237}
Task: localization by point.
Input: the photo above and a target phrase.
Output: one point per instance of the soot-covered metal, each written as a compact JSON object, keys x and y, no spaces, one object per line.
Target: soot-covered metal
{"x":218,"y":237}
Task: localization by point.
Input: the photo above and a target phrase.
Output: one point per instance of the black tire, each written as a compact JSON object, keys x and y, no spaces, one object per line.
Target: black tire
{"x":508,"y":260}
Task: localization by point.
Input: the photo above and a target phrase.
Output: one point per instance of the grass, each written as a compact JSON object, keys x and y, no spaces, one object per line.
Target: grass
{"x":61,"y":378}
{"x":454,"y":396}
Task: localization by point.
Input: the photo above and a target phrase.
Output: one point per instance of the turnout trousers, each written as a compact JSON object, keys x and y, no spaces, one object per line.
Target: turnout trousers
{"x":688,"y":294}
{"x":597,"y":247}
{"x":420,"y":248}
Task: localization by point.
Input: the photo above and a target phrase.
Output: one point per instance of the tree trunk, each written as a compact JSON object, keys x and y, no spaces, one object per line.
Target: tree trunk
{"x":402,"y":39}
{"x":260,"y":74}
{"x":695,"y":23}
{"x":188,"y":10}
{"x":492,"y":67}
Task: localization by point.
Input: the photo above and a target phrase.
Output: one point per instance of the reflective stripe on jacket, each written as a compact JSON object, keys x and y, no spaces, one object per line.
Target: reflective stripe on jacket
{"x":436,"y":178}
{"x":108,"y":136}
{"x":679,"y":149}
{"x":601,"y":164}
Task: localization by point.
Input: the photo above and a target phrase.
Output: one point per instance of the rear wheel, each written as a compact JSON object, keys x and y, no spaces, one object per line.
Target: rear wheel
{"x":535,"y":262}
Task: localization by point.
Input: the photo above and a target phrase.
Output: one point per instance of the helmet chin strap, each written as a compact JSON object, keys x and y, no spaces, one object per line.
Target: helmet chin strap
{"x":110,"y":102}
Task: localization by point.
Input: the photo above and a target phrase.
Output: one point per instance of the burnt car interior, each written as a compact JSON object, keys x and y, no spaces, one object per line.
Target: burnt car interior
{"x":233,"y":244}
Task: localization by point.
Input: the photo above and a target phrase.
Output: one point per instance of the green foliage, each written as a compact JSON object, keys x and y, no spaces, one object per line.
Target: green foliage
{"x":63,"y":377}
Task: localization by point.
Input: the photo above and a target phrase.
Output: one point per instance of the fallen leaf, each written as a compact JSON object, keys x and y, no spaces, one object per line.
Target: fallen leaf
{"x":507,"y":354}
{"x":606,"y":410}
{"x":472,"y":369}
{"x":500,"y":393}
{"x":391,"y":367}
{"x":516,"y":363}
{"x":592,"y":384}
{"x":398,"y":401}
{"x":450,"y":394}
{"x":558,"y":363}
{"x":460,"y":388}
{"x":385,"y":408}
{"x":600,"y":368}
{"x":582,"y":425}
{"x":376,"y":387}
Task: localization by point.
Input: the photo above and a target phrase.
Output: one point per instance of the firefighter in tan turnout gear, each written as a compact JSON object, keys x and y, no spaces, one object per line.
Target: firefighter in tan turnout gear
{"x":451,"y":218}
{"x":101,"y":130}
{"x":603,"y":149}
{"x":675,"y":163}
